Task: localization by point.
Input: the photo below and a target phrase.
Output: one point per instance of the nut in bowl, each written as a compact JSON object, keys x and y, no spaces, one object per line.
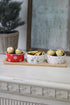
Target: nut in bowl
{"x":57,"y":58}
{"x":35,"y":57}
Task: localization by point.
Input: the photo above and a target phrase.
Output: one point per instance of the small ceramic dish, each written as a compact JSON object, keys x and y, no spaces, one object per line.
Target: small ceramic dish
{"x":14,"y":57}
{"x":55,"y":59}
{"x":33,"y":59}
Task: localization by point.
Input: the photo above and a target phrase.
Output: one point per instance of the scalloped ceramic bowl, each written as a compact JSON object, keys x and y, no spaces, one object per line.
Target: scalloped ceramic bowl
{"x":55,"y":59}
{"x":14,"y":57}
{"x":35,"y":59}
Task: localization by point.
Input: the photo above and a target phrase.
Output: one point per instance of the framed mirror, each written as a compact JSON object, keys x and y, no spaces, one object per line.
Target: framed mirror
{"x":48,"y":25}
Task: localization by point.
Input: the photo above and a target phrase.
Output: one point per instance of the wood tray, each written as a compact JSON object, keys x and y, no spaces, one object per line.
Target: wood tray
{"x":41,"y":64}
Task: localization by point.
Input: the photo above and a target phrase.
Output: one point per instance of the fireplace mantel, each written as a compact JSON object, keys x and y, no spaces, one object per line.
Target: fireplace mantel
{"x":38,"y":85}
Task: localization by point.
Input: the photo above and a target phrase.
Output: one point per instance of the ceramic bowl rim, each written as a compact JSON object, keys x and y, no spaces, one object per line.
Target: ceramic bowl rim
{"x":56,"y":56}
{"x":34,"y":55}
{"x":15,"y":54}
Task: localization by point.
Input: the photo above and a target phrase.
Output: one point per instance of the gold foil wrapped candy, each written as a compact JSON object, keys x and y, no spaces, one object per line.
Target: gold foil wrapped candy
{"x":10,"y":50}
{"x":36,"y":53}
{"x":59,"y":53}
{"x":18,"y":51}
{"x":51,"y":52}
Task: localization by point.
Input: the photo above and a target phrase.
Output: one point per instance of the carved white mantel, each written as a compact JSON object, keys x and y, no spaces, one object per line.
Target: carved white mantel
{"x":26,"y":85}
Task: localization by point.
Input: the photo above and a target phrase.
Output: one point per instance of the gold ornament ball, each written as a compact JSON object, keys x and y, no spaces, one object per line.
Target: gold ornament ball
{"x":59,"y":53}
{"x":51,"y":52}
{"x":10,"y":50}
{"x":61,"y":50}
{"x":18,"y":51}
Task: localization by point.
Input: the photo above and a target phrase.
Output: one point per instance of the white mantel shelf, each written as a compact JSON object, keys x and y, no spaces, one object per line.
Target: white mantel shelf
{"x":45,"y":76}
{"x":31,"y":81}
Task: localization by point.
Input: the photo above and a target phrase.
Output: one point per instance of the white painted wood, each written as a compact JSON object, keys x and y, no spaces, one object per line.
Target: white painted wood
{"x":24,"y":90}
{"x":3,"y":86}
{"x":5,"y":101}
{"x":60,"y":94}
{"x":49,"y":93}
{"x":13,"y":87}
{"x":36,"y":91}
{"x":45,"y":76}
{"x":26,"y":85}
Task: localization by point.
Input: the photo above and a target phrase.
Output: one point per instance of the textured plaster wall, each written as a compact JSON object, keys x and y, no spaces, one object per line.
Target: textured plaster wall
{"x":23,"y":29}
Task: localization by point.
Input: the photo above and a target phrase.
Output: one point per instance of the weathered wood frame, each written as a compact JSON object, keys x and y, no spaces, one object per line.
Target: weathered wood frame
{"x":29,"y":23}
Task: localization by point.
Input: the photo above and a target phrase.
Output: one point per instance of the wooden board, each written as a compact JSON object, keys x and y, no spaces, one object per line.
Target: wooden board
{"x":28,"y":64}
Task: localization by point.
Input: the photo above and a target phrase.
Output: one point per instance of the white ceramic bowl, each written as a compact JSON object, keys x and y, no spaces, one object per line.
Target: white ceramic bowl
{"x":35,"y":59}
{"x":55,"y":59}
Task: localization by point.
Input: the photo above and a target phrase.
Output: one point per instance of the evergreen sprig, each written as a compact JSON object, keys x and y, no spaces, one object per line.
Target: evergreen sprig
{"x":9,"y":15}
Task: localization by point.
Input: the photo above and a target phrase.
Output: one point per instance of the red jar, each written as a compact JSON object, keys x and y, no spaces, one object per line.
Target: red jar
{"x":14,"y":57}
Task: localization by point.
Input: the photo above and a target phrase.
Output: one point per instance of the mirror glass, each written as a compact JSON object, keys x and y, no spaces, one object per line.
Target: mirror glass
{"x":50,"y":28}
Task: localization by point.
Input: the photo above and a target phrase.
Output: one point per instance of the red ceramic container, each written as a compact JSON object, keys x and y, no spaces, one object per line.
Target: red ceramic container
{"x":14,"y":57}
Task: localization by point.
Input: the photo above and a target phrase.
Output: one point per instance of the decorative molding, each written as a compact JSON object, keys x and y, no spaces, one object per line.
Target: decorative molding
{"x":61,"y":95}
{"x":49,"y":93}
{"x":35,"y":91}
{"x":13,"y":88}
{"x":5,"y":101}
{"x":3,"y":86}
{"x":69,"y":95}
{"x":25,"y":90}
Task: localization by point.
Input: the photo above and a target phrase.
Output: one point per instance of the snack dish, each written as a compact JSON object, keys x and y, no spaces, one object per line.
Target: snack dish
{"x":51,"y":52}
{"x":14,"y":55}
{"x":58,"y":58}
{"x":35,"y":57}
